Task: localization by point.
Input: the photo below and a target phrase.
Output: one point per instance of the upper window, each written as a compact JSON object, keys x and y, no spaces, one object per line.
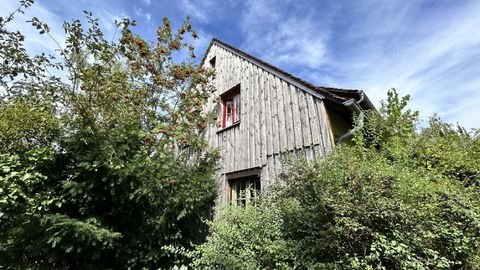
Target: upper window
{"x":213,"y":62}
{"x":231,"y":107}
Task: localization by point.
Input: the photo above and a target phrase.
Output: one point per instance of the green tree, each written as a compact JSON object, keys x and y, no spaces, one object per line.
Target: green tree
{"x":106,"y":166}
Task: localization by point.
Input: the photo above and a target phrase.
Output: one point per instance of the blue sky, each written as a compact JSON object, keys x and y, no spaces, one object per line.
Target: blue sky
{"x":428,"y":49}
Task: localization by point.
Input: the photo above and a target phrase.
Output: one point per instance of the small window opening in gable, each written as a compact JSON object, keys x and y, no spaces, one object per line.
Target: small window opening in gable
{"x":231,"y":105}
{"x":244,"y":190}
{"x":213,"y":62}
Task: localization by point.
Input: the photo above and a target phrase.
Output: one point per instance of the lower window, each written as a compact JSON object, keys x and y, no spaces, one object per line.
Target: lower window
{"x":243,"y":190}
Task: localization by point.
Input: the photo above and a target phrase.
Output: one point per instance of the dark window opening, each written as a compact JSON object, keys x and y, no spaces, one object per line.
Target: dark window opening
{"x":244,"y":190}
{"x":213,"y":62}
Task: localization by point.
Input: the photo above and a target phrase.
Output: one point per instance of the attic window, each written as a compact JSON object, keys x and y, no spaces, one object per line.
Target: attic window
{"x":231,"y":107}
{"x":213,"y":62}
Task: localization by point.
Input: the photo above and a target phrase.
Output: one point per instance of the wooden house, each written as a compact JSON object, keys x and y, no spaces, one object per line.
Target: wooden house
{"x":266,"y":114}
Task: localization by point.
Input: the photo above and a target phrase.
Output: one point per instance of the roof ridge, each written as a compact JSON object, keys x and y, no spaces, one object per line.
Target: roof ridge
{"x":331,"y":93}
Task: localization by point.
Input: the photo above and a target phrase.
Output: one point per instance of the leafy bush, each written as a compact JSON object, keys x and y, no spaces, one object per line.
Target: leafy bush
{"x":358,"y":210}
{"x":244,"y":238}
{"x":396,"y":199}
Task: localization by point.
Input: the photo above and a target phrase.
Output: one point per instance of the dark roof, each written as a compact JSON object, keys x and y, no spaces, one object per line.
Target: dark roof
{"x":336,"y":95}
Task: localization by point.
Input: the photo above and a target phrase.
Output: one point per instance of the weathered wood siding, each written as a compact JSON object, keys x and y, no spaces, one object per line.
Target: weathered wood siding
{"x":278,"y":120}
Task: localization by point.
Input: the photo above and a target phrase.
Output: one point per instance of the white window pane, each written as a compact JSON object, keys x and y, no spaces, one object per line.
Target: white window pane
{"x":237,"y":107}
{"x":229,"y":115}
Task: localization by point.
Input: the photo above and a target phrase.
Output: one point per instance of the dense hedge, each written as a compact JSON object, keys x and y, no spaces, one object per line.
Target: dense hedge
{"x":395,"y":199}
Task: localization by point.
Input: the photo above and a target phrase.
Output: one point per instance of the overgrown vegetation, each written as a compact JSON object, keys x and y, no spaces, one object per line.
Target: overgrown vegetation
{"x":103,"y":166}
{"x":395,"y":199}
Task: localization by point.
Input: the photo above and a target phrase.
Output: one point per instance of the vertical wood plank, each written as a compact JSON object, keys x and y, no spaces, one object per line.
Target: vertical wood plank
{"x":246,"y":121}
{"x":263,"y":120}
{"x":317,"y":149}
{"x":235,"y":73}
{"x":273,"y":108}
{"x":243,"y":121}
{"x":288,"y":116}
{"x":236,"y":146}
{"x":220,"y":68}
{"x":309,"y":154}
{"x":224,"y":152}
{"x":257,"y":114}
{"x":251,"y":115}
{"x":271,"y":169}
{"x":274,"y":168}
{"x":231,"y":71}
{"x":278,"y":165}
{"x":314,"y":124}
{"x":323,"y":127}
{"x":268,"y":114}
{"x":282,"y":135}
{"x":296,"y":117}
{"x":228,"y":135}
{"x":304,"y":119}
{"x":232,"y":147}
{"x":264,"y":178}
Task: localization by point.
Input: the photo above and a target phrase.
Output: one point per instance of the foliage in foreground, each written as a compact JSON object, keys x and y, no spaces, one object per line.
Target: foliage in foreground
{"x":104,"y":168}
{"x":396,"y":199}
{"x":244,"y":238}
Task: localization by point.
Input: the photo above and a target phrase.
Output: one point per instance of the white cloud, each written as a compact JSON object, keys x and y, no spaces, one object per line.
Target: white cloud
{"x":202,"y":11}
{"x":202,"y":42}
{"x":34,"y":42}
{"x":293,"y":41}
{"x":141,"y":13}
{"x":427,"y":55}
{"x":49,"y":13}
{"x":428,"y":51}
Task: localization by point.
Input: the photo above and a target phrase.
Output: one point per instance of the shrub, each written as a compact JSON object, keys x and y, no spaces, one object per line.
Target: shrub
{"x":396,"y":199}
{"x":244,"y":238}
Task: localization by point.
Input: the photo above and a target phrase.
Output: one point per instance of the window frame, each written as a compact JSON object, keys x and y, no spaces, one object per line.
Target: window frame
{"x":239,"y":185}
{"x":213,"y":62}
{"x":232,"y":97}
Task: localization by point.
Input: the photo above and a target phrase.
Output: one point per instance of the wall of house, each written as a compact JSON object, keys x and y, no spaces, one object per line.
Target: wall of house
{"x":278,"y":120}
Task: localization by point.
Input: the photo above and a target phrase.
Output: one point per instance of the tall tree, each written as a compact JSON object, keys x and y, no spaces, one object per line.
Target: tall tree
{"x":103,"y":166}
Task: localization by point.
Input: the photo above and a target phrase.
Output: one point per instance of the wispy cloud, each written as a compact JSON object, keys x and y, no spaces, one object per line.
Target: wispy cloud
{"x":272,"y":32}
{"x":428,"y":49}
{"x":34,"y":42}
{"x":423,"y":48}
{"x":200,"y":10}
{"x":139,"y":12}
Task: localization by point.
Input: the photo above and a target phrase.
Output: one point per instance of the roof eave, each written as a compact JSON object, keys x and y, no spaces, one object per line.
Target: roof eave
{"x":301,"y":84}
{"x":274,"y":70}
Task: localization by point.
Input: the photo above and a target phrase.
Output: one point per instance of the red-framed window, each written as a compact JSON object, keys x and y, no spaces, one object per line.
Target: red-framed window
{"x":231,"y":105}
